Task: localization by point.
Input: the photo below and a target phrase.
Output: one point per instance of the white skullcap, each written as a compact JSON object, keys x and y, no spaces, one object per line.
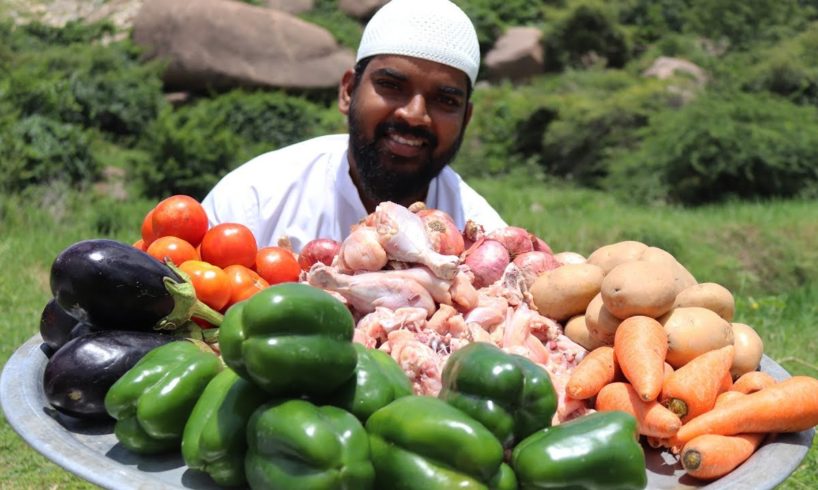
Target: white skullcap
{"x":434,"y":30}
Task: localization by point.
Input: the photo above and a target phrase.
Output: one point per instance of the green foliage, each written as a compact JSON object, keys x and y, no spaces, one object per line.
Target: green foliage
{"x":36,"y":150}
{"x":346,"y":30}
{"x":724,"y":146}
{"x":191,"y":148}
{"x":743,"y":23}
{"x":587,"y":34}
{"x":653,"y":19}
{"x":492,"y":17}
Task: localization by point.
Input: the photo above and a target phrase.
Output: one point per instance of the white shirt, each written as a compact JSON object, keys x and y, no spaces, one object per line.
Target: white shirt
{"x":304,"y":191}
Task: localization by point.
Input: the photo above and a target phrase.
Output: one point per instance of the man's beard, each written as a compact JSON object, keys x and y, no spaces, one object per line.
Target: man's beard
{"x":380,"y":183}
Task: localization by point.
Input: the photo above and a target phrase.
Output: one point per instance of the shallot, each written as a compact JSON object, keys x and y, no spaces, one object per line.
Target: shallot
{"x":442,"y":232}
{"x":516,"y":240}
{"x":534,"y":263}
{"x":321,"y":250}
{"x":487,"y":260}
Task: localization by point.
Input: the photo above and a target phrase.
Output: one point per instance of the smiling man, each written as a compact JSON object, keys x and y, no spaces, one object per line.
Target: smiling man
{"x":407,"y":102}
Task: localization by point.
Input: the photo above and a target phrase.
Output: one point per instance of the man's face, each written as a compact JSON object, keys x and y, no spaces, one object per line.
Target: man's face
{"x":406,"y":121}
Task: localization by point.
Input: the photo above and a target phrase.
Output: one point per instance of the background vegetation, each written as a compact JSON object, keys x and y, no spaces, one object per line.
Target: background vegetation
{"x":720,"y":173}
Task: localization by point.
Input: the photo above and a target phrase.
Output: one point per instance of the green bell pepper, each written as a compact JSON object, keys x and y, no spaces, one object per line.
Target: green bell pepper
{"x":152,"y":401}
{"x":597,"y":451}
{"x":509,"y":394}
{"x":378,"y":380}
{"x":296,"y":444}
{"x":290,"y":339}
{"x":215,"y":436}
{"x":421,"y":442}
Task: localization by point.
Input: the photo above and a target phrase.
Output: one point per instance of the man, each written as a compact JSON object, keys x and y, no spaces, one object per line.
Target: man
{"x":407,"y":105}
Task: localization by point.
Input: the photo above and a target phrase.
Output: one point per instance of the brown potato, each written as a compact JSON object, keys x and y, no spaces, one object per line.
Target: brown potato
{"x":749,"y":349}
{"x":692,"y":331}
{"x":609,"y":256}
{"x":682,"y":278}
{"x":710,"y":295}
{"x":566,"y":291}
{"x":600,"y":322}
{"x":569,"y":258}
{"x":577,"y":330}
{"x":639,"y":287}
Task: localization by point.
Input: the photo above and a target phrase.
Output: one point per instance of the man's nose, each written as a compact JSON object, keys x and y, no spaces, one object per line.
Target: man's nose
{"x":414,"y":111}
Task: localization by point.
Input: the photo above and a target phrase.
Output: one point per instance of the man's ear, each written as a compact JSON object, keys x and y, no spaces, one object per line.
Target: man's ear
{"x":345,"y":91}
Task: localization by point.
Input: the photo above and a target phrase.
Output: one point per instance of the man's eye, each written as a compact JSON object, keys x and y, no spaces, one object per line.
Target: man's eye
{"x":449,"y":102}
{"x":388,"y":84}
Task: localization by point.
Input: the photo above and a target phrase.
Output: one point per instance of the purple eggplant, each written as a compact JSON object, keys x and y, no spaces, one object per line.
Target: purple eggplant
{"x":79,"y":374}
{"x":58,"y":327}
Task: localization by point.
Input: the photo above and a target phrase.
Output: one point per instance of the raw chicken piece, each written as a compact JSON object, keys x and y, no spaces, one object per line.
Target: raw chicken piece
{"x":447,"y":320}
{"x":361,"y":251}
{"x":365,"y":292}
{"x":489,"y":312}
{"x":449,"y":292}
{"x":510,"y":286}
{"x":420,"y":362}
{"x":402,"y":234}
{"x":376,"y":326}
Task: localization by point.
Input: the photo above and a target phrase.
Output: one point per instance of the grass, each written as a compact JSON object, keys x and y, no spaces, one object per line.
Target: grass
{"x":763,"y":252}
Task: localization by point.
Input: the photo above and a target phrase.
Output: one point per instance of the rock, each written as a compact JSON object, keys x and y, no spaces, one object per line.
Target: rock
{"x":360,"y":9}
{"x":517,"y":55}
{"x":665,"y":67}
{"x":224,"y":44}
{"x":290,"y":6}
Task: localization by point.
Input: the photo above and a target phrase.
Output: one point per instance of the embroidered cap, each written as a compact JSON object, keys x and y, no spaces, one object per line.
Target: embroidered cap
{"x":434,"y":30}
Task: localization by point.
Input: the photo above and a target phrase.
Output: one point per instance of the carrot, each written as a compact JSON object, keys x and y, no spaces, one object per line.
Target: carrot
{"x":668,"y":371}
{"x":787,"y":406}
{"x":726,"y":382}
{"x":692,"y":389}
{"x":596,"y":369}
{"x":753,"y":381}
{"x":640,"y":345}
{"x":727,"y":396}
{"x":711,"y":456}
{"x":652,"y":419}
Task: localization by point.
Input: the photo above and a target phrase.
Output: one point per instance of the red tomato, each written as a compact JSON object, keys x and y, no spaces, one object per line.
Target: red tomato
{"x":173,"y":248}
{"x":147,"y":229}
{"x":140,"y":244}
{"x":180,"y":216}
{"x":229,"y":244}
{"x":210,"y":282}
{"x":277,"y":264}
{"x":244,"y":282}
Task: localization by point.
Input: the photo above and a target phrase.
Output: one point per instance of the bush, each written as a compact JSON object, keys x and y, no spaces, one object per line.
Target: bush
{"x":36,"y":150}
{"x":721,"y":147}
{"x":346,"y":30}
{"x":492,"y":17}
{"x":191,"y":148}
{"x":586,"y":35}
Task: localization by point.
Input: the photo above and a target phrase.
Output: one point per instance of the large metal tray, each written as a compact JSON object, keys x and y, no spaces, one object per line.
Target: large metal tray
{"x":91,"y":451}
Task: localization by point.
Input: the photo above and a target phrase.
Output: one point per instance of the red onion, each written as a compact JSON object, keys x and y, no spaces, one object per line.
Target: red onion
{"x":487,"y":261}
{"x":321,"y":250}
{"x":446,"y":239}
{"x":540,"y":245}
{"x":516,"y":240}
{"x":534,"y":263}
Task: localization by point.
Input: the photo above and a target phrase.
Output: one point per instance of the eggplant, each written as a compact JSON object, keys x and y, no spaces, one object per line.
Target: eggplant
{"x":58,"y":327}
{"x":112,"y":285}
{"x":79,"y":374}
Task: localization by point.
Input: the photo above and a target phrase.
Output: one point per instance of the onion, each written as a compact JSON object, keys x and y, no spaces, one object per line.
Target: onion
{"x":321,"y":250}
{"x":446,"y":239}
{"x":534,"y":263}
{"x":540,"y":245}
{"x":487,"y":260}
{"x":516,"y":240}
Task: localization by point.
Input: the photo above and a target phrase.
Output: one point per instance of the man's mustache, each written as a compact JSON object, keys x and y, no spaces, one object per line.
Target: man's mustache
{"x":402,"y":128}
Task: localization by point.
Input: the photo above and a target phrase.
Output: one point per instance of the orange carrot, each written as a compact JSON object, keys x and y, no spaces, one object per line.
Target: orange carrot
{"x":640,"y":345}
{"x":668,"y":371}
{"x":692,"y":389}
{"x":726,"y":382}
{"x":753,"y":381}
{"x":652,"y":419}
{"x":596,"y":369}
{"x":711,"y":456}
{"x":787,"y":406}
{"x":727,"y":396}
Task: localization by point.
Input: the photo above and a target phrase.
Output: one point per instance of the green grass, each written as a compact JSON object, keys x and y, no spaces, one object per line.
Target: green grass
{"x":762,"y":252}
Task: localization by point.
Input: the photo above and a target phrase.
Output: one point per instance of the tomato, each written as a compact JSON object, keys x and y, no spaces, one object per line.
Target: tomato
{"x":229,"y":244}
{"x":244,"y":282}
{"x":173,"y":248}
{"x":210,"y":282}
{"x":277,"y":264}
{"x":180,"y":216}
{"x":140,"y":244}
{"x":147,"y":229}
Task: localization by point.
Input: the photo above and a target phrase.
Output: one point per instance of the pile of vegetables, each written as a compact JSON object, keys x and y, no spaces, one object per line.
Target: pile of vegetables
{"x":664,"y":349}
{"x":192,"y":339}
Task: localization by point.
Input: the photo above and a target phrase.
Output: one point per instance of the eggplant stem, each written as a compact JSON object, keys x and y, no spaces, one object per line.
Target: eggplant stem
{"x":185,"y":304}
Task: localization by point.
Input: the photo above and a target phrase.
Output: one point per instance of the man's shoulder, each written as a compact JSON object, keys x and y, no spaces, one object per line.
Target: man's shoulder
{"x":307,"y":150}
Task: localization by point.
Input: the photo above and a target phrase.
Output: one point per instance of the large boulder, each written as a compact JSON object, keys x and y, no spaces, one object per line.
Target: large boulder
{"x":517,"y":55}
{"x":360,"y":9}
{"x":290,"y":6}
{"x":225,"y":44}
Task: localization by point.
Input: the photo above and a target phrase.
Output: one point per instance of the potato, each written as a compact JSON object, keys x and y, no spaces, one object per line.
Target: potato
{"x":749,"y":349}
{"x":639,"y":287}
{"x":609,"y":256}
{"x":599,"y":321}
{"x":577,"y":330}
{"x":710,"y":295}
{"x":682,"y":278}
{"x":692,"y":331}
{"x":569,"y":258}
{"x":566,"y":291}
